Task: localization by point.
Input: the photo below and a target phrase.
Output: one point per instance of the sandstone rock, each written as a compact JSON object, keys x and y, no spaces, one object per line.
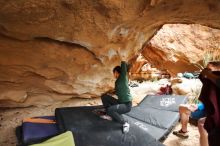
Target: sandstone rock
{"x":48,"y":72}
{"x":176,"y":81}
{"x":137,"y":64}
{"x":189,"y":87}
{"x":17,"y":96}
{"x":141,"y":69}
{"x":59,"y":87}
{"x":74,"y":44}
{"x":180,"y":47}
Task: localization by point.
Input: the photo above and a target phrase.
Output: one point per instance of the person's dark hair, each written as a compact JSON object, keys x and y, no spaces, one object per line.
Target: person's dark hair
{"x":215,"y":63}
{"x":117,"y":69}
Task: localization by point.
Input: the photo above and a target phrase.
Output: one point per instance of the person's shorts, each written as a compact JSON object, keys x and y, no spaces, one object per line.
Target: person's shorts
{"x":198,"y":114}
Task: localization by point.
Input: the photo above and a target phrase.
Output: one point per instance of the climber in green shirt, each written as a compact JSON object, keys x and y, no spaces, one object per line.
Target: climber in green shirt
{"x":115,"y":107}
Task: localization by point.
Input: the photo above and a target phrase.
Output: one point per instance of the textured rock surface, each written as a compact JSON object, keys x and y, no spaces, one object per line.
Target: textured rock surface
{"x":51,"y":51}
{"x":41,"y":72}
{"x":179,"y":47}
{"x":186,"y":88}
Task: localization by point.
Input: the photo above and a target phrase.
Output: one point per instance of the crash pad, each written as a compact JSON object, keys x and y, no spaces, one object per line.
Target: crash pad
{"x":38,"y":129}
{"x":90,"y":130}
{"x":156,"y":132}
{"x":65,"y":139}
{"x":155,"y":117}
{"x":163,"y":102}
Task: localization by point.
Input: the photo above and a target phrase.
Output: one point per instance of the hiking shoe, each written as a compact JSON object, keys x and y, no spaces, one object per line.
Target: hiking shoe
{"x":106,"y":117}
{"x":126,"y":127}
{"x":181,"y":134}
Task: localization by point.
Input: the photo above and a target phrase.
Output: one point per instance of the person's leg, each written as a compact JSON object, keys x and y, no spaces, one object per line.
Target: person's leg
{"x":203,"y":133}
{"x":184,"y":119}
{"x":185,"y":112}
{"x":108,"y":100}
{"x":115,"y":112}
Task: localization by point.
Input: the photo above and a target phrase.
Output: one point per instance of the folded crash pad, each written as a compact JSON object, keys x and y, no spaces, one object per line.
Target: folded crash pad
{"x":65,"y":139}
{"x":157,"y":133}
{"x":155,"y":117}
{"x":159,"y":112}
{"x":90,"y":130}
{"x":163,"y":102}
{"x":38,"y":129}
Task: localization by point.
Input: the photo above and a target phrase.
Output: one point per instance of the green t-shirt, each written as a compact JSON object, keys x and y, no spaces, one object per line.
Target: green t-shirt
{"x":121,"y":85}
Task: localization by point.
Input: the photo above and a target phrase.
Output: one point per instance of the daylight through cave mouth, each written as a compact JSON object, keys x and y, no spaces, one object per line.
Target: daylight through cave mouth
{"x":177,"y":48}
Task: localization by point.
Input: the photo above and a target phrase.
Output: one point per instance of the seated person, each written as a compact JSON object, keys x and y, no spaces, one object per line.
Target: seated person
{"x":195,"y":111}
{"x":115,"y":107}
{"x":198,"y":111}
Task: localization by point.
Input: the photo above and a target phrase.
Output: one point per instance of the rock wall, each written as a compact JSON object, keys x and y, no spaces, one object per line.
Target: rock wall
{"x":51,"y":51}
{"x":43,"y":71}
{"x":183,"y":47}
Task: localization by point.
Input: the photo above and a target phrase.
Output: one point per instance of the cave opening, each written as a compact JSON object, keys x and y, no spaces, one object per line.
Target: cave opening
{"x":170,"y":64}
{"x":171,"y":61}
{"x":60,"y":53}
{"x":176,"y":48}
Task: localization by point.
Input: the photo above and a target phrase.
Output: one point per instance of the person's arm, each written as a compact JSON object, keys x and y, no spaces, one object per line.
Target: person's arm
{"x":111,"y":91}
{"x":124,"y":68}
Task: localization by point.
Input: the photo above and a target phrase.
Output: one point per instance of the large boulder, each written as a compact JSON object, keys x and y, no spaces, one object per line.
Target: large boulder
{"x":182,"y":47}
